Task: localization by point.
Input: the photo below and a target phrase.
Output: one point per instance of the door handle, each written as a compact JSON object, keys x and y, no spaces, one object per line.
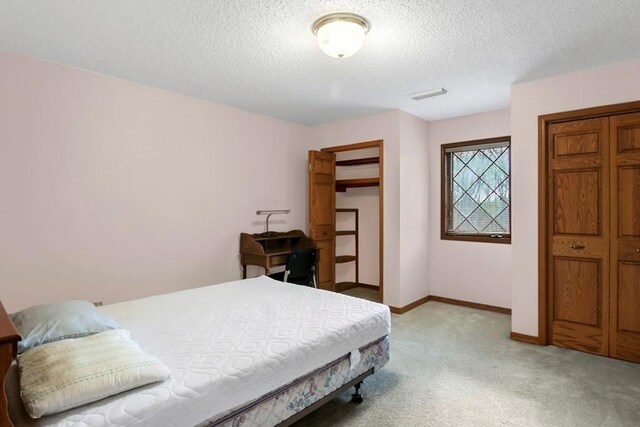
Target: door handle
{"x":638,"y":250}
{"x":577,"y":247}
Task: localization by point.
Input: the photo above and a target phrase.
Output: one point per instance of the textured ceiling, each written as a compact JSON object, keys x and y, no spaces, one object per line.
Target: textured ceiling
{"x":260,"y":55}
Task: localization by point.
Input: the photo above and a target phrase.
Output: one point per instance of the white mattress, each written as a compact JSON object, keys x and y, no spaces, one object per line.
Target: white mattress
{"x":229,"y":344}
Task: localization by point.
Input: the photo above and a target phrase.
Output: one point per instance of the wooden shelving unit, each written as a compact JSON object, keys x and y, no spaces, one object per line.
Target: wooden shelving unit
{"x":341,"y":259}
{"x":343,"y":184}
{"x":355,"y":162}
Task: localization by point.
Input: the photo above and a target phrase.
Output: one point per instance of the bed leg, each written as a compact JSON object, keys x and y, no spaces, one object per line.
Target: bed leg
{"x":357,"y":397}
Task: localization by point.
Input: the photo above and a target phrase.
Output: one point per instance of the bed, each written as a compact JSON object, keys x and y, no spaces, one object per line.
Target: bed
{"x":255,"y":352}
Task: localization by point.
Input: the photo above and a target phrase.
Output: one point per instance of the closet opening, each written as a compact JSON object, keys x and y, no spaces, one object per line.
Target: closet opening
{"x":357,"y":216}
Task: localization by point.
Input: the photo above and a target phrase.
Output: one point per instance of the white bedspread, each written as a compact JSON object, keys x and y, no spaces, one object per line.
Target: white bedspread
{"x":229,"y":344}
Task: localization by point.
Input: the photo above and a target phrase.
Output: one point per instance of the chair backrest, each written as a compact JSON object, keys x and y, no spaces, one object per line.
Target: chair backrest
{"x":301,"y":263}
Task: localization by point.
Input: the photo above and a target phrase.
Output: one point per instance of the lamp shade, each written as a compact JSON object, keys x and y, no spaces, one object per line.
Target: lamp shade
{"x":341,"y":35}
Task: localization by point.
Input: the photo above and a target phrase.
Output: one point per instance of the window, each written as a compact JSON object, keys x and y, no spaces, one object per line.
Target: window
{"x":476,"y":190}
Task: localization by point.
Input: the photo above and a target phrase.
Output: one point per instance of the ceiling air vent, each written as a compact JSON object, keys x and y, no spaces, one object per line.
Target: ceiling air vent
{"x":428,"y":94}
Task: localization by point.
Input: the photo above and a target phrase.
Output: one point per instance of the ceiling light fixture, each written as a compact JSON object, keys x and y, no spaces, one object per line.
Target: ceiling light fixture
{"x":341,"y":35}
{"x":422,"y":95}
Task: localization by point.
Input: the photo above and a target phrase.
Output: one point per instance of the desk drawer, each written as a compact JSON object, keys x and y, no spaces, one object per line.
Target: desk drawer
{"x":278,"y":259}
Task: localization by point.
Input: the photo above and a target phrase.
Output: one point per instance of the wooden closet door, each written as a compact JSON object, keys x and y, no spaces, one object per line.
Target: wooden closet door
{"x":625,"y":234}
{"x":322,"y":214}
{"x":578,"y":215}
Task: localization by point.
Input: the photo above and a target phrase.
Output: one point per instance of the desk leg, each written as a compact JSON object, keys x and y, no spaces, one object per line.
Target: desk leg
{"x":244,"y":271}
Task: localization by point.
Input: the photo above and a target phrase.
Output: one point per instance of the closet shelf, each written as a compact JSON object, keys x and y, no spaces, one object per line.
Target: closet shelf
{"x":355,"y":162}
{"x":345,"y":258}
{"x":343,"y":184}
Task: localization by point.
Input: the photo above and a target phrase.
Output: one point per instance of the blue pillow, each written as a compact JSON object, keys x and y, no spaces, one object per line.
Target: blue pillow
{"x":46,"y":323}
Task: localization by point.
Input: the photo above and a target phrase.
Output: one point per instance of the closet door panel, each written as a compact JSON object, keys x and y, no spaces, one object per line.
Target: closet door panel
{"x":628,"y":209}
{"x":628,"y":137}
{"x":578,"y":288}
{"x":629,"y":297}
{"x":577,"y":207}
{"x":625,"y":231}
{"x":322,"y":216}
{"x":325,"y":264}
{"x":578,"y":264}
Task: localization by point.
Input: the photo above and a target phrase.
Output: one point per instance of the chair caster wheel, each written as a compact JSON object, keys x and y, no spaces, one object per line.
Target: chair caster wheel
{"x":357,"y":397}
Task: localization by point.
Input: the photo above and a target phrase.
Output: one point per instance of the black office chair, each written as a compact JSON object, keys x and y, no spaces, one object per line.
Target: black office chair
{"x":300,"y":268}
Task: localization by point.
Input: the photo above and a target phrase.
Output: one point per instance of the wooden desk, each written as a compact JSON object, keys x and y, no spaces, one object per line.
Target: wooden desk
{"x":270,"y":249}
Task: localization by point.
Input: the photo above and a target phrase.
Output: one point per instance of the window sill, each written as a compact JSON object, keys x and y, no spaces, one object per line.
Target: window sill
{"x":506,"y":239}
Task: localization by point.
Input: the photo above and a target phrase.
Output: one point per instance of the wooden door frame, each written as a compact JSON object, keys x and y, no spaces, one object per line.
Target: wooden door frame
{"x":544,"y":121}
{"x":378,"y":143}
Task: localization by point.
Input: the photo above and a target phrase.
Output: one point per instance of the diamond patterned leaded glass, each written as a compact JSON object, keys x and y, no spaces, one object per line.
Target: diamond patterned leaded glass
{"x":479,"y":190}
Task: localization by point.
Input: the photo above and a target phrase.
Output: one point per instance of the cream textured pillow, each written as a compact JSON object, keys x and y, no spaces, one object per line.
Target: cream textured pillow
{"x":66,"y":374}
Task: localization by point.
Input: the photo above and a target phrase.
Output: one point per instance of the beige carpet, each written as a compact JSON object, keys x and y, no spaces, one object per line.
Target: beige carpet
{"x":455,"y":366}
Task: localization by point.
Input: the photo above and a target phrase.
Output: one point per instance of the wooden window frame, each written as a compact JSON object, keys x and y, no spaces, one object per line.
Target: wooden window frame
{"x":445,"y":193}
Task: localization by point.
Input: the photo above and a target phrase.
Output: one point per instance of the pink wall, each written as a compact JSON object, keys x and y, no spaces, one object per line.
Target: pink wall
{"x":589,"y":88}
{"x":477,"y":272}
{"x":115,"y":190}
{"x":414,"y":208}
{"x":111,"y":190}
